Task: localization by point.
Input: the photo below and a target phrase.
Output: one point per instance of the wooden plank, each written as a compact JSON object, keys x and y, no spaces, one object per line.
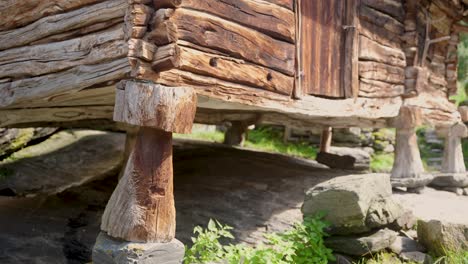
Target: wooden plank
{"x":380,"y":35}
{"x":393,"y":8}
{"x":225,"y":68}
{"x":378,"y":89}
{"x":289,"y":4}
{"x":225,"y":36}
{"x":53,"y":57}
{"x":54,"y":114}
{"x":381,"y":72}
{"x":60,"y":23}
{"x":20,"y":93}
{"x":372,"y":51}
{"x":262,"y":16}
{"x":351,"y":50}
{"x":380,"y":19}
{"x":20,"y":13}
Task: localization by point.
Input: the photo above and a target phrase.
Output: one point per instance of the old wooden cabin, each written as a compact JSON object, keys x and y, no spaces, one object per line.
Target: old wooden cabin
{"x":161,"y":64}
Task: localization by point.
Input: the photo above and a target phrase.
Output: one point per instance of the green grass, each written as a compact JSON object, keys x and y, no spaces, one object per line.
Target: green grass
{"x":383,"y":258}
{"x":264,"y":138}
{"x":381,"y":162}
{"x":453,"y":257}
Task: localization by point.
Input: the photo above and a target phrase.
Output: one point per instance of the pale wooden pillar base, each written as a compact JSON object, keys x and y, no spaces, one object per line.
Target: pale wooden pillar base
{"x":108,"y":250}
{"x":408,"y":169}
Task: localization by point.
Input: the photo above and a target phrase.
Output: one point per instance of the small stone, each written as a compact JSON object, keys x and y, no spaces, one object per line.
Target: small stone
{"x":465,"y":191}
{"x":405,"y":244}
{"x":108,"y":250}
{"x":359,"y":246}
{"x":416,"y":257}
{"x":438,"y":237}
{"x":345,"y":158}
{"x":417,"y":190}
{"x":405,"y":222}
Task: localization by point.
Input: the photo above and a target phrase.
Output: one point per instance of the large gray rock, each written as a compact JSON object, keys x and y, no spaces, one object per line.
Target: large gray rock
{"x":68,"y":158}
{"x":345,"y":158}
{"x":415,"y":182}
{"x":358,"y":246}
{"x":354,"y":203}
{"x":112,"y":251}
{"x":450,"y":180}
{"x":438,"y":237}
{"x":13,"y":139}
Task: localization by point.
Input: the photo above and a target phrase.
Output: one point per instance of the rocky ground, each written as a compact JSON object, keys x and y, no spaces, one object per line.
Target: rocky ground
{"x":252,"y":191}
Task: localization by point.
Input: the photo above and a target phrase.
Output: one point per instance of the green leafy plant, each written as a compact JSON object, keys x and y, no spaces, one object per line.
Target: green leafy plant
{"x":300,"y":245}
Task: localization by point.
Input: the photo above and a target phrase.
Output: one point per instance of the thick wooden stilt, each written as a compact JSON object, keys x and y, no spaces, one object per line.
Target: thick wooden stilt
{"x":236,"y":133}
{"x":326,"y":139}
{"x":141,"y":208}
{"x":453,"y":161}
{"x":408,"y":169}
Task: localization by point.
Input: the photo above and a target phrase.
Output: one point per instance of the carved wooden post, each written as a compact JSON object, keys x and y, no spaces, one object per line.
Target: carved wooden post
{"x":326,"y":139}
{"x":453,"y":176}
{"x":141,"y":209}
{"x":236,"y":133}
{"x":408,"y":169}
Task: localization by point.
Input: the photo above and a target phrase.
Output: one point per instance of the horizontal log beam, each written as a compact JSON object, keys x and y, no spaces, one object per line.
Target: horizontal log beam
{"x":370,"y":50}
{"x":378,"y":89}
{"x":42,"y":88}
{"x":393,"y":8}
{"x":225,"y":68}
{"x":263,"y":16}
{"x":224,"y":36}
{"x":47,"y":58}
{"x":60,"y":23}
{"x":381,"y":19}
{"x":381,"y":72}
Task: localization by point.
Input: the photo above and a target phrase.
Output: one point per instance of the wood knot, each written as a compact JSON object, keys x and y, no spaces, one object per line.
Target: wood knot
{"x":213,"y":62}
{"x":269,"y":77}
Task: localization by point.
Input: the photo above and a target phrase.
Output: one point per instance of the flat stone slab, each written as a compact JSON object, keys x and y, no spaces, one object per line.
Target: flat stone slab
{"x":421,"y":181}
{"x":108,"y":250}
{"x":359,"y":246}
{"x":66,"y":159}
{"x":450,"y":180}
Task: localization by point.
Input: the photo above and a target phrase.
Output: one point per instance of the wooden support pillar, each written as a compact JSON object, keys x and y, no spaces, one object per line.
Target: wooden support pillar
{"x":326,"y":139}
{"x":453,"y":161}
{"x":141,"y":209}
{"x":236,"y":133}
{"x":408,"y":169}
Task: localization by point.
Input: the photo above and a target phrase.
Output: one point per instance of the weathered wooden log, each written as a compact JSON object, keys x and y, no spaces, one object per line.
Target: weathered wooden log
{"x":152,"y":105}
{"x":141,"y":209}
{"x":372,"y":51}
{"x":351,"y":50}
{"x":463,"y":113}
{"x":54,"y":57}
{"x":20,"y":13}
{"x":378,"y":89}
{"x":381,"y":72}
{"x":42,"y":88}
{"x":141,"y":49}
{"x":391,"y":7}
{"x":260,"y":15}
{"x":453,"y":161}
{"x":225,"y":68}
{"x":380,"y":19}
{"x":60,"y":23}
{"x":213,"y":32}
{"x":380,"y":35}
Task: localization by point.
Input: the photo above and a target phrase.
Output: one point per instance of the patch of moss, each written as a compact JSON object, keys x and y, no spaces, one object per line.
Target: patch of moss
{"x":5,"y":173}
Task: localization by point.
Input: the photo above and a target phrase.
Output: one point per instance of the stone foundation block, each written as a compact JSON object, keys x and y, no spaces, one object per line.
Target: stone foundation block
{"x":108,"y":250}
{"x":414,"y":182}
{"x":450,"y":180}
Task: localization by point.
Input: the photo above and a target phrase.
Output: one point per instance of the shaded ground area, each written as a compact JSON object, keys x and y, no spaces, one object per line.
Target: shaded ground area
{"x":251,"y":191}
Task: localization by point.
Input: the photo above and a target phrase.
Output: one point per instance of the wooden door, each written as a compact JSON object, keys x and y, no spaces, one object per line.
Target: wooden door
{"x":324,"y":28}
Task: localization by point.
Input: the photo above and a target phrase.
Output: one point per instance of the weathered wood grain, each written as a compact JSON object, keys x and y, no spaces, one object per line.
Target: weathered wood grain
{"x":170,"y":109}
{"x":141,"y":208}
{"x":378,"y":89}
{"x":260,"y":15}
{"x":380,"y":19}
{"x":60,"y":23}
{"x":381,"y":72}
{"x":42,"y":88}
{"x":372,"y":51}
{"x":15,"y":117}
{"x":225,"y":68}
{"x":380,"y":35}
{"x":53,"y":57}
{"x":20,"y":13}
{"x":393,"y":8}
{"x":225,"y":36}
{"x":351,"y":49}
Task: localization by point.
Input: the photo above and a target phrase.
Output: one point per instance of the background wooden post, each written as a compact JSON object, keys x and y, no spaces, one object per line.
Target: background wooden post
{"x":326,"y":139}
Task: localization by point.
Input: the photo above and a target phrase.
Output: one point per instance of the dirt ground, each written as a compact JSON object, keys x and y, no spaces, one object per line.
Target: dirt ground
{"x":252,"y":191}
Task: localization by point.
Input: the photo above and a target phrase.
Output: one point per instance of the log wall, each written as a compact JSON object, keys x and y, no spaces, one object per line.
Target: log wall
{"x":60,"y":59}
